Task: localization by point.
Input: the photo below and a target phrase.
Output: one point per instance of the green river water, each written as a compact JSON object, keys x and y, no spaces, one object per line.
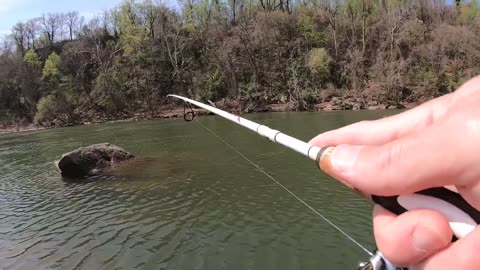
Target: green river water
{"x":190,"y":203}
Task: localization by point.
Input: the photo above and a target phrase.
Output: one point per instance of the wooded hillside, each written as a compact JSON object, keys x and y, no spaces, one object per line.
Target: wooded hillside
{"x":59,"y":69}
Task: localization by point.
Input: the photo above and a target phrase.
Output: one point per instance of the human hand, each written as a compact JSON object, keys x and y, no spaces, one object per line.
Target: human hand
{"x":435,"y":144}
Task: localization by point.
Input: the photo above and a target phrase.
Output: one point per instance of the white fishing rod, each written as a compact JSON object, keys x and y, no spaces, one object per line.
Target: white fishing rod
{"x":303,"y":148}
{"x":462,"y":217}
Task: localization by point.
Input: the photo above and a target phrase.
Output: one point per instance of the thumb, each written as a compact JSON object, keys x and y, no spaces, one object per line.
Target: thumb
{"x":463,"y":254}
{"x":401,"y":166}
{"x":411,"y":237}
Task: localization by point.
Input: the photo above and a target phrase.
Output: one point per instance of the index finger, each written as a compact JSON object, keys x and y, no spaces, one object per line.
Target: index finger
{"x":386,"y":129}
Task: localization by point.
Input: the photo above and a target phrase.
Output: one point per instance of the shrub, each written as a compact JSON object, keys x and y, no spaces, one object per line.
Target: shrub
{"x":46,"y":110}
{"x":50,"y":69}
{"x":319,"y":61}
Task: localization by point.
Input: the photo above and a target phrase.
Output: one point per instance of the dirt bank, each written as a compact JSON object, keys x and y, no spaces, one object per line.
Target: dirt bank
{"x":334,"y":104}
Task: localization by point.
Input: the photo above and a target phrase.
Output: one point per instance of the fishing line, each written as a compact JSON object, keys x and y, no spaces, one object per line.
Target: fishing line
{"x":287,"y":190}
{"x":447,"y":202}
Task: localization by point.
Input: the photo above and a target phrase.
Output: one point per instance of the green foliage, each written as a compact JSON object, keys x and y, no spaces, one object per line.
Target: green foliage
{"x":57,"y":107}
{"x":46,"y":110}
{"x":32,"y":58}
{"x":309,"y":27}
{"x":50,"y":69}
{"x":469,"y":12}
{"x":255,"y":52}
{"x":210,"y":85}
{"x":319,"y":61}
{"x":134,"y":38}
{"x":110,"y":101}
{"x":427,"y":80}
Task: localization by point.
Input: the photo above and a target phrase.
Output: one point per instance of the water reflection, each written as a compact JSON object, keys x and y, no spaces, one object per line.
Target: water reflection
{"x":189,"y":203}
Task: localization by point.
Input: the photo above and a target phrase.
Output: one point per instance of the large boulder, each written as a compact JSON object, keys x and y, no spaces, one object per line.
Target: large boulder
{"x":91,"y":159}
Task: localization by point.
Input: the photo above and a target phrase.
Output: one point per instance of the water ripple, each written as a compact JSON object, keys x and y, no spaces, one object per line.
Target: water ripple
{"x":191,"y":206}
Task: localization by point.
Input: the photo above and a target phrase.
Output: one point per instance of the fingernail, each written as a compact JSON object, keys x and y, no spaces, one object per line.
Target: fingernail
{"x":426,"y":241}
{"x":340,"y":159}
{"x":344,"y":157}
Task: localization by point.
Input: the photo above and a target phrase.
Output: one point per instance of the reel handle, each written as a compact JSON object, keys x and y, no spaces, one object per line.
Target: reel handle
{"x":462,"y":217}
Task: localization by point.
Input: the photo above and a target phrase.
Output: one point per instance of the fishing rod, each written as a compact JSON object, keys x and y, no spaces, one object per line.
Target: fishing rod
{"x":462,"y":217}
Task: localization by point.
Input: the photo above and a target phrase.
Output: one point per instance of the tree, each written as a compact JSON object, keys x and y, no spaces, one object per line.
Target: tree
{"x":19,"y":34}
{"x":31,"y":58}
{"x":318,"y":61}
{"x":50,"y":26}
{"x":72,"y":20}
{"x":50,"y":69}
{"x":29,"y":88}
{"x":31,"y":27}
{"x":331,"y":9}
{"x":148,"y":14}
{"x":6,"y":46}
{"x":250,"y":53}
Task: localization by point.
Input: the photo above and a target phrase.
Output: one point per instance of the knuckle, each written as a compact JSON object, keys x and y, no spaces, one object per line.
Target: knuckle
{"x":389,"y":166}
{"x":391,"y":155}
{"x":429,"y":118}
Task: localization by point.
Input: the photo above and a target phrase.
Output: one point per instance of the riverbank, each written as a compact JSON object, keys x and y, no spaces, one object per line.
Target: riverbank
{"x":12,"y":129}
{"x":91,"y":118}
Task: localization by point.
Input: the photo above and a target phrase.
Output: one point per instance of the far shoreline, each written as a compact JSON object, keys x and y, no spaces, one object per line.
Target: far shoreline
{"x":178,"y":113}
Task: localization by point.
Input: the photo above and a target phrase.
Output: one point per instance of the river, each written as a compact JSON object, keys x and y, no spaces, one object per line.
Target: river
{"x":193,"y":203}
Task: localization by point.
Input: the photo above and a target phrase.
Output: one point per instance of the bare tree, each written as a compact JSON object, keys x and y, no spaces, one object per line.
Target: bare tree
{"x":80,"y":25}
{"x":236,"y":9}
{"x":31,"y":28}
{"x":115,"y":20}
{"x":61,"y":25}
{"x":269,"y":5}
{"x":148,"y":13}
{"x":6,"y":46}
{"x":331,"y":10}
{"x":50,"y":25}
{"x":130,"y":9}
{"x":367,"y":10}
{"x":72,"y":20}
{"x":394,"y":20}
{"x":19,"y":35}
{"x":106,"y":19}
{"x":174,"y":44}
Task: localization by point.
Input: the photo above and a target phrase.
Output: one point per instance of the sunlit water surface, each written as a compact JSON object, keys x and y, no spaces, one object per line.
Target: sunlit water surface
{"x":190,"y":202}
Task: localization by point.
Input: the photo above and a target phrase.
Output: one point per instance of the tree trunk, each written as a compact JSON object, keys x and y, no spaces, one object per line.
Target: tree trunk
{"x":364,"y":26}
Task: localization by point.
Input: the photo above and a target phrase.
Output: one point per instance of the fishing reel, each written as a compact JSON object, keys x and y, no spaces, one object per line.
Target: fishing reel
{"x":378,"y":262}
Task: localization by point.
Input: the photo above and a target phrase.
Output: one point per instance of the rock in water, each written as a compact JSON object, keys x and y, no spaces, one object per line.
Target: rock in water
{"x":90,"y":159}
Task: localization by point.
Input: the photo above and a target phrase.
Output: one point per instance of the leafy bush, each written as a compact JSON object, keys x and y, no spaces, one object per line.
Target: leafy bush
{"x":32,"y":58}
{"x":46,"y":111}
{"x":319,"y":61}
{"x":56,"y":109}
{"x":259,"y":53}
{"x":50,"y":69}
